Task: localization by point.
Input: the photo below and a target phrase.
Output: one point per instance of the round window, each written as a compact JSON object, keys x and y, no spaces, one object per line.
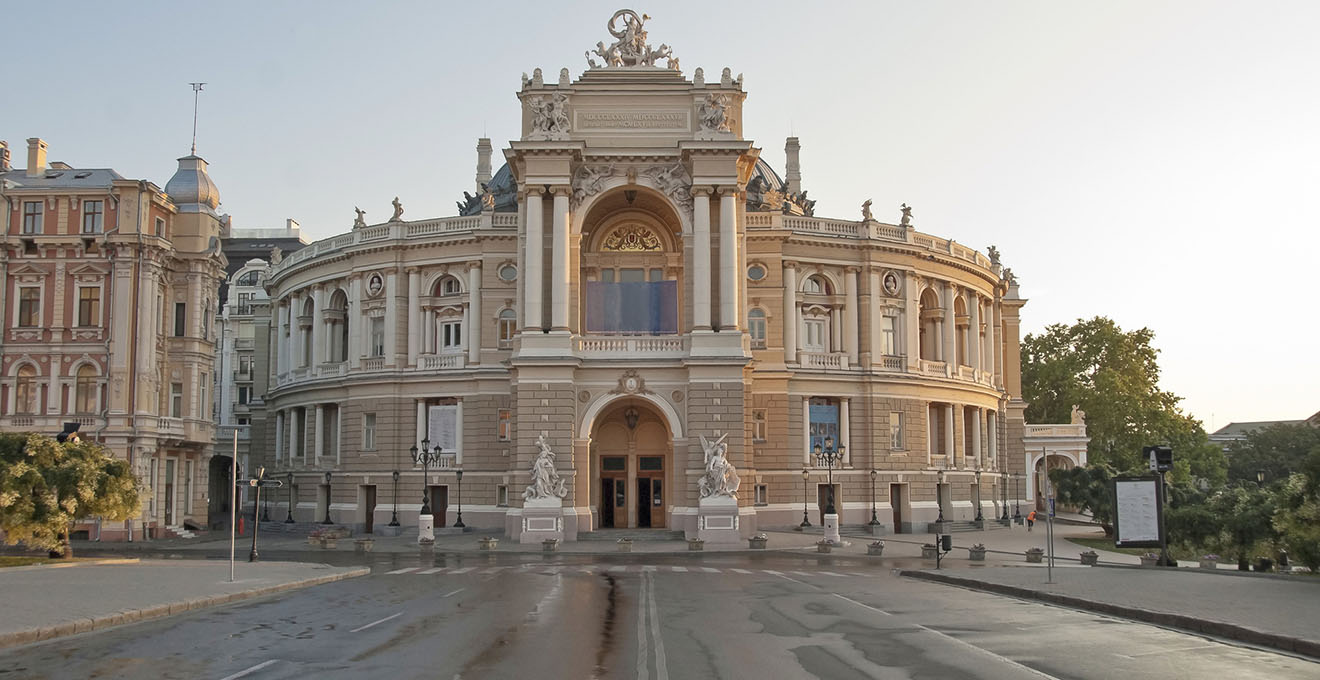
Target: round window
{"x":508,"y":272}
{"x":756,"y":272}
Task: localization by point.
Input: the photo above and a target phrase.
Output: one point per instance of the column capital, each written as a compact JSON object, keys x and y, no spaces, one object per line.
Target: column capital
{"x":474,"y":264}
{"x":702,"y":190}
{"x":790,"y":264}
{"x":413,"y":270}
{"x":532,"y":190}
{"x":850,"y":269}
{"x":561,"y":190}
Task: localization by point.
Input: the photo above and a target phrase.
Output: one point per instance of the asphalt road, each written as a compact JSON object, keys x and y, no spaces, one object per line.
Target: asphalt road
{"x":651,"y":617}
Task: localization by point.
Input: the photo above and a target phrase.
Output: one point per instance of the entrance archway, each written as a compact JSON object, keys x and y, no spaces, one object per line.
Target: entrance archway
{"x":1040,"y":465}
{"x":219,"y":495}
{"x":632,"y":466}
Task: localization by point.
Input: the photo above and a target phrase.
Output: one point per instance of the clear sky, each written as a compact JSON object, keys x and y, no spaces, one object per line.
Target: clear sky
{"x":1155,"y":162}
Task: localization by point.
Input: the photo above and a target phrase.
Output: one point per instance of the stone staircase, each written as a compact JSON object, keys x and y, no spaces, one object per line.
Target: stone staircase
{"x":176,"y":532}
{"x":300,"y":528}
{"x":636,"y":535}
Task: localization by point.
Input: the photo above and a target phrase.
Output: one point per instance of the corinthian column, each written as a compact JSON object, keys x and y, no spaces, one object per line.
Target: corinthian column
{"x":974,"y":330}
{"x":850,"y":338}
{"x":474,"y":312}
{"x":729,"y":258}
{"x":559,"y":261}
{"x":414,"y":315}
{"x":533,"y":280}
{"x":701,"y":258}
{"x":790,"y":321}
{"x":950,"y":329}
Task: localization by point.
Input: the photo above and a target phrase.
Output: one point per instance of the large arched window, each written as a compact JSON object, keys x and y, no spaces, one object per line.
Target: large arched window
{"x":756,"y":327}
{"x":449,"y":285}
{"x":25,"y":391}
{"x":249,"y":278}
{"x":932,"y":330}
{"x":336,"y":316}
{"x":963,"y":334}
{"x":305,"y":330}
{"x":84,"y":397}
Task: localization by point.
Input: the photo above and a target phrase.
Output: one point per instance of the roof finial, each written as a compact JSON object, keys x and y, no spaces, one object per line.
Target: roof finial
{"x":197,"y":88}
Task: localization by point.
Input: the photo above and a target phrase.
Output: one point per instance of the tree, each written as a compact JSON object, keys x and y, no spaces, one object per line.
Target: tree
{"x":1278,"y":450}
{"x":45,"y":486}
{"x":1113,"y":376}
{"x":1089,"y":489}
{"x":1246,"y":513}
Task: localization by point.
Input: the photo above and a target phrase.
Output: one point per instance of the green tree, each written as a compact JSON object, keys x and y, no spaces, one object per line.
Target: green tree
{"x":1278,"y":451}
{"x":45,"y":486}
{"x":1246,"y":513}
{"x":1297,"y":518}
{"x":1113,"y":376}
{"x":1089,"y":489}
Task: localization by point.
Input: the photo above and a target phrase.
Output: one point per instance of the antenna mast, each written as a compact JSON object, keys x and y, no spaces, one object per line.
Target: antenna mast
{"x":197,"y":88}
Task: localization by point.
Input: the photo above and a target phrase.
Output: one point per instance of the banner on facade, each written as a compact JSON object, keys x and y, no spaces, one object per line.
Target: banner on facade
{"x":442,"y":427}
{"x":824,"y":422}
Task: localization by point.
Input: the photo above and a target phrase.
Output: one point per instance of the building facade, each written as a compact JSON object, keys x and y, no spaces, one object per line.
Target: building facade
{"x":631,"y":296}
{"x":108,"y":283}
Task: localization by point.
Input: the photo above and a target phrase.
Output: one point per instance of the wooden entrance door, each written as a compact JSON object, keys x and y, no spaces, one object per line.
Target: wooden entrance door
{"x":651,"y":491}
{"x":896,"y":502}
{"x":614,"y":491}
{"x":369,"y":504}
{"x":823,"y":501}
{"x":439,"y":504}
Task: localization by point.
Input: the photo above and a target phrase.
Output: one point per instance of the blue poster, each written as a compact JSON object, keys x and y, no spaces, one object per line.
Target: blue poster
{"x":824,"y":423}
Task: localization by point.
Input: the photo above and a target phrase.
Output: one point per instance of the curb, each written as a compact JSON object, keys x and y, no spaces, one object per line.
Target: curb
{"x":84,"y":625}
{"x":1299,"y":646}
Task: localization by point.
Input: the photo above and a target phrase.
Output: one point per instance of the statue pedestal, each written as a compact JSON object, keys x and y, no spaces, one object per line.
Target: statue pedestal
{"x":717,"y":520}
{"x":832,"y":529}
{"x":542,"y":518}
{"x":426,"y":529}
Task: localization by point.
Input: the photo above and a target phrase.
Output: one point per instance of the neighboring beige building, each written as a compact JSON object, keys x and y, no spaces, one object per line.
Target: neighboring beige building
{"x":634,"y":279}
{"x":108,"y":283}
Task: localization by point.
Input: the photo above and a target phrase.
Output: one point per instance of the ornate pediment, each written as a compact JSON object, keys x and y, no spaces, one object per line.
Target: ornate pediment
{"x":631,"y":382}
{"x":632,"y":237}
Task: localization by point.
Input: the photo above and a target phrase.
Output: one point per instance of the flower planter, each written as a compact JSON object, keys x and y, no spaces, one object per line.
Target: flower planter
{"x":757,"y":543}
{"x":976,"y":555}
{"x":696,"y":544}
{"x":929,"y":552}
{"x":1090,"y":558}
{"x":329,"y":543}
{"x":1209,"y":564}
{"x":824,"y":546}
{"x":624,"y":545}
{"x":363,"y":545}
{"x":488,"y":543}
{"x":550,"y":545}
{"x":1034,"y":555}
{"x":877,"y":548}
{"x":313,"y":540}
{"x":1150,"y":560}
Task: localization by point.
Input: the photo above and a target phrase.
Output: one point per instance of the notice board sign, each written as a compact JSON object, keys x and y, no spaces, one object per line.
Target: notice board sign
{"x":1137,"y":512}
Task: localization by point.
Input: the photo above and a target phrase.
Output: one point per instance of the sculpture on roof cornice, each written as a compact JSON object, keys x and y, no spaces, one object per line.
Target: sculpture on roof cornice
{"x":993,"y":252}
{"x":398,"y":210}
{"x":629,"y":48}
{"x":549,"y":118}
{"x":866,"y":211}
{"x":907,"y":216}
{"x":360,"y":221}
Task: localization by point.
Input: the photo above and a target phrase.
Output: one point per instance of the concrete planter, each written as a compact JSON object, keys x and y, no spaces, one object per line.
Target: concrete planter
{"x":976,"y":555}
{"x":929,"y":552}
{"x":550,"y":545}
{"x":1150,"y":561}
{"x":313,"y":540}
{"x":1034,"y":555}
{"x":876,"y":549}
{"x":824,"y":547}
{"x":363,"y":545}
{"x":488,"y":543}
{"x":1209,"y":564}
{"x":696,"y":544}
{"x":1090,"y":558}
{"x":624,"y":545}
{"x":330,"y":543}
{"x":757,"y":543}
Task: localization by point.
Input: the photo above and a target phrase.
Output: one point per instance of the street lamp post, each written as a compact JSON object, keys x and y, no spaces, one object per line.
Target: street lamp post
{"x":265,"y":509}
{"x":289,"y":518}
{"x":805,"y":522}
{"x":979,"y":517}
{"x":875,"y":522}
{"x":394,"y":501}
{"x":1003,"y":493}
{"x":256,"y":526}
{"x":939,"y":495}
{"x":1017,"y":495}
{"x":425,"y":457}
{"x":830,"y":454}
{"x":459,"y":524}
{"x":329,"y":493}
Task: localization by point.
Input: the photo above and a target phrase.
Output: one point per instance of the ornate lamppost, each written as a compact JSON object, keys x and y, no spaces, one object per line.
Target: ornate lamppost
{"x":939,"y":494}
{"x":979,"y":517}
{"x":875,"y":522}
{"x":1017,"y":495}
{"x":805,"y":522}
{"x":1003,"y":492}
{"x":289,"y":519}
{"x":830,"y":455}
{"x":394,"y":501}
{"x":425,"y":457}
{"x":329,"y":493}
{"x":459,"y":524}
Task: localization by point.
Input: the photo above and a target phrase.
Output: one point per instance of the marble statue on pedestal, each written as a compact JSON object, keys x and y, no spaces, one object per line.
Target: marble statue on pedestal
{"x":398,"y":210}
{"x":866,"y":211}
{"x":546,"y":482}
{"x":360,"y":221}
{"x":907,"y":216}
{"x":721,"y":478}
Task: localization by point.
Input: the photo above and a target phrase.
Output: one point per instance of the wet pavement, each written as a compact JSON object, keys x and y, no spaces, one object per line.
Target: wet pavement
{"x":732,"y":615}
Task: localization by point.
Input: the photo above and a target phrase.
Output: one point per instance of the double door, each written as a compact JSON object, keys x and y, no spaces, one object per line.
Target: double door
{"x":632,"y":492}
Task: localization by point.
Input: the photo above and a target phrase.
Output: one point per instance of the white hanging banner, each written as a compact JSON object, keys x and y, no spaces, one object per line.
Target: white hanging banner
{"x":442,"y":427}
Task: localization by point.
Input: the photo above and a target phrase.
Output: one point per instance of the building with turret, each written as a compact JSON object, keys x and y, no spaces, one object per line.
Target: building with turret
{"x":108,"y":287}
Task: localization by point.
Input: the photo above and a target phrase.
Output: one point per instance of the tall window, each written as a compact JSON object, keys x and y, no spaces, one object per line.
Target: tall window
{"x":378,"y":336}
{"x":176,"y":400}
{"x":505,"y":428}
{"x":896,"y":430}
{"x":450,"y":286}
{"x":29,"y":307}
{"x":813,"y":337}
{"x":756,"y":328}
{"x":508,"y":327}
{"x":244,"y":365}
{"x":180,"y":318}
{"x":889,"y":335}
{"x":89,"y":306}
{"x":369,"y":432}
{"x":451,"y":335}
{"x":85,"y":390}
{"x":758,"y":424}
{"x":244,"y":394}
{"x":25,"y":391}
{"x":160,"y":226}
{"x":32,"y":214}
{"x":202,"y":402}
{"x":93,"y":216}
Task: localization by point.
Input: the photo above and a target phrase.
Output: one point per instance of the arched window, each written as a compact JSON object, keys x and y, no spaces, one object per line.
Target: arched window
{"x":305,"y":331}
{"x":815,"y":285}
{"x":756,"y":327}
{"x":337,"y":319}
{"x":932,"y":329}
{"x":25,"y":391}
{"x":508,"y":326}
{"x":249,"y":278}
{"x":447,"y":286}
{"x":85,"y":390}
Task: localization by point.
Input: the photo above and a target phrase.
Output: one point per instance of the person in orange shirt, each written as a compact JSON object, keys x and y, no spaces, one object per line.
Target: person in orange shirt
{"x":1031,"y":519}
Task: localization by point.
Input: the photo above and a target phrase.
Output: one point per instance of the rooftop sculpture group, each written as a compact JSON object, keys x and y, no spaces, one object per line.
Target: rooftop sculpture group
{"x":630,"y":47}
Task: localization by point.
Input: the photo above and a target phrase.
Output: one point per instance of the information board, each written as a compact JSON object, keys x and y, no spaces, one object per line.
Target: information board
{"x":1137,"y":512}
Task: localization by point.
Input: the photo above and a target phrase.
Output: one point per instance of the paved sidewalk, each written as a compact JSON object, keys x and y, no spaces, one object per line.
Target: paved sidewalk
{"x":49,"y":601}
{"x":1274,"y":612}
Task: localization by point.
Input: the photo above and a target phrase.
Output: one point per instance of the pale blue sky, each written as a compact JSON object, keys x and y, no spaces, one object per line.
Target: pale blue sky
{"x":1154,"y":162}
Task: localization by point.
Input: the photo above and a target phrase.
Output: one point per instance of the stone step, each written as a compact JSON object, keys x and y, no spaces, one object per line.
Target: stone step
{"x":636,"y":535}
